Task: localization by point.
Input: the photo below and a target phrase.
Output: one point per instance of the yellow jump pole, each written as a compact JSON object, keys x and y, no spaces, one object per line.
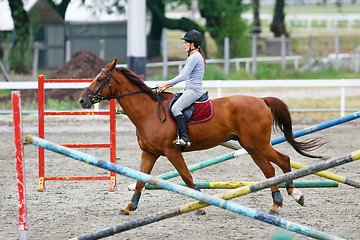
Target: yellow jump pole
{"x":296,"y":165}
{"x":327,"y":175}
{"x":310,"y":130}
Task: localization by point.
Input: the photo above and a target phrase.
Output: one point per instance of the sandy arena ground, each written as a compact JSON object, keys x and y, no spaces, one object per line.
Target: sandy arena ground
{"x":69,"y":209}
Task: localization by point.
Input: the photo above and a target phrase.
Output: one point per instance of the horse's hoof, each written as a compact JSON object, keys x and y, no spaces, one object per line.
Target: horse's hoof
{"x":123,"y":212}
{"x":200,"y":212}
{"x":297,"y":196}
{"x":301,"y":200}
{"x":273,"y":212}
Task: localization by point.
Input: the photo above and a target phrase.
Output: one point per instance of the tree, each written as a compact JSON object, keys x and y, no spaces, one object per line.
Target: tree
{"x":219,"y":15}
{"x":108,"y":6}
{"x":223,"y":19}
{"x":159,"y":21}
{"x":61,"y":7}
{"x":257,"y":23}
{"x":22,"y":36}
{"x":22,"y":32}
{"x":157,"y":9}
{"x":278,"y":25}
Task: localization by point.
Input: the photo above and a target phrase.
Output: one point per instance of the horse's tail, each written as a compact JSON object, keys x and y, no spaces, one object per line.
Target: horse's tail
{"x":282,"y":120}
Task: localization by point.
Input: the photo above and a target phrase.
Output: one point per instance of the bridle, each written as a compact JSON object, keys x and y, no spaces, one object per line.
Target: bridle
{"x":95,"y":97}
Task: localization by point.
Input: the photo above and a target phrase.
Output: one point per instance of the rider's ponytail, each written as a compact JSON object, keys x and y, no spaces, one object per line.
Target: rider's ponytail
{"x":201,"y":52}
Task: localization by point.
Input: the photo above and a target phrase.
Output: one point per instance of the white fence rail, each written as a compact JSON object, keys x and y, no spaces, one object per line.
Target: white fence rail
{"x":220,"y":84}
{"x":237,"y":61}
{"x":247,"y":61}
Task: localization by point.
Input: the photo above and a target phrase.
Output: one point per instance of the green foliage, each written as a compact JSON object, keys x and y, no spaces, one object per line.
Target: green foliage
{"x":19,"y":62}
{"x":223,"y":19}
{"x":214,"y":72}
{"x":21,"y":38}
{"x":5,"y":92}
{"x":264,"y":71}
{"x":107,"y":6}
{"x":274,"y":71}
{"x":5,"y":105}
{"x":240,"y":47}
{"x":61,"y":104}
{"x":52,"y":104}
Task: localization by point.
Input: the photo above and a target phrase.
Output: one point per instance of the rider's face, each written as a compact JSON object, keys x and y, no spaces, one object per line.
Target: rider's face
{"x":186,"y":46}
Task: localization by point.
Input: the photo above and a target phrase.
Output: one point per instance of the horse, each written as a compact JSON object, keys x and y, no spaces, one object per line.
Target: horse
{"x":246,"y":119}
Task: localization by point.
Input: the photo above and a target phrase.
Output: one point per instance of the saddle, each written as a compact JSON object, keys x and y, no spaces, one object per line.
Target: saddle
{"x":200,"y":111}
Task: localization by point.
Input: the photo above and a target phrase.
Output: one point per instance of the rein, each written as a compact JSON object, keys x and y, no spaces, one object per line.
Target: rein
{"x":95,"y":97}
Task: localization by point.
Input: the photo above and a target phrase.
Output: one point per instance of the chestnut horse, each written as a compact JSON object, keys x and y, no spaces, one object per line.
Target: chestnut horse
{"x":246,"y":119}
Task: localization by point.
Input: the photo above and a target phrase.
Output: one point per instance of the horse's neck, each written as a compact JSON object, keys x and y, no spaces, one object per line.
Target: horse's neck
{"x":138,"y":107}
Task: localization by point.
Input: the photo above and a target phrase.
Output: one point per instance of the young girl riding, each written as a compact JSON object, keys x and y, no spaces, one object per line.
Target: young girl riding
{"x":192,"y":74}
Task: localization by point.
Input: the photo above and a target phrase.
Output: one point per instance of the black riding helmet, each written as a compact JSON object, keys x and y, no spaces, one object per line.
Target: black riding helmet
{"x":194,"y":36}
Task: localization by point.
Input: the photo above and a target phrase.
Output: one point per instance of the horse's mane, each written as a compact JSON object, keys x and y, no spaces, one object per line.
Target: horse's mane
{"x":138,"y":81}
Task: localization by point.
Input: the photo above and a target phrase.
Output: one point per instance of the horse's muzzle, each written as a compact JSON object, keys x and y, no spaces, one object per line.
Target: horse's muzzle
{"x":85,"y":102}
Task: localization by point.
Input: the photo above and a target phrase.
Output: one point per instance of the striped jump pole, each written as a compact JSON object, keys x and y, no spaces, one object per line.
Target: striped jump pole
{"x":205,"y":199}
{"x":324,"y":174}
{"x":227,"y":195}
{"x":309,"y":130}
{"x":200,"y":165}
{"x":274,"y":141}
{"x":232,"y":185}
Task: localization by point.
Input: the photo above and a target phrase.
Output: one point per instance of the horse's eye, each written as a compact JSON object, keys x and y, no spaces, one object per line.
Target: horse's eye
{"x":100,"y":79}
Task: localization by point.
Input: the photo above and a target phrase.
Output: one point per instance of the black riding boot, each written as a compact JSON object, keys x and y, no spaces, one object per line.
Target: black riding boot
{"x":183,"y":137}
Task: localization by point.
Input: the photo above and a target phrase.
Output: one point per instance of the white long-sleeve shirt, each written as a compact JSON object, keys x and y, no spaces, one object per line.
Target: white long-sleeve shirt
{"x":193,"y":73}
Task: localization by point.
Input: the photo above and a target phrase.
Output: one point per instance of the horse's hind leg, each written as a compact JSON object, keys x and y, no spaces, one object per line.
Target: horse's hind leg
{"x":283,"y":161}
{"x":261,"y":157}
{"x":147,"y":163}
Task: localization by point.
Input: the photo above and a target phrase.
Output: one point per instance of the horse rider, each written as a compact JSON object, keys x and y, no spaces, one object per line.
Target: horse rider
{"x":192,"y":74}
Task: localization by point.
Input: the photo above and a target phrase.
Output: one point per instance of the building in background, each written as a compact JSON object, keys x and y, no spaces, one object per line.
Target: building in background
{"x":81,"y":29}
{"x":48,"y":29}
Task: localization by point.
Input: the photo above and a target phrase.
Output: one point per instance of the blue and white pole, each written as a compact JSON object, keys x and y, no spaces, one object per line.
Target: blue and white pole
{"x":204,"y":198}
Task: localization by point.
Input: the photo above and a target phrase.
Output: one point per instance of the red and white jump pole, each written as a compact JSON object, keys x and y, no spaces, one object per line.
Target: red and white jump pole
{"x":20,"y":173}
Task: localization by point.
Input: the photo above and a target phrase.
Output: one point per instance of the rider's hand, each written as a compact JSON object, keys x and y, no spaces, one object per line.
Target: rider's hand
{"x":163,"y":86}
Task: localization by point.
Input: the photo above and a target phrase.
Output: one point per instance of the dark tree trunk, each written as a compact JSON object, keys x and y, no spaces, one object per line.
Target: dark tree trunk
{"x":211,"y":20}
{"x":278,"y":25}
{"x":181,"y":24}
{"x":154,"y":37}
{"x":22,"y":36}
{"x":61,"y":7}
{"x":257,"y":24}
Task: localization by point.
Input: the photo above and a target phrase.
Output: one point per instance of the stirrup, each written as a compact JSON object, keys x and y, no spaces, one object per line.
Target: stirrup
{"x":181,"y":142}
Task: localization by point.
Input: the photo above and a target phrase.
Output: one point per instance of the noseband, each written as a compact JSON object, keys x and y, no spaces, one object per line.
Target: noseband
{"x":95,"y":97}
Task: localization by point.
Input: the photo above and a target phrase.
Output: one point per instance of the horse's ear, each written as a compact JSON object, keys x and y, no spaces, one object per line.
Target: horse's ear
{"x":113,"y":64}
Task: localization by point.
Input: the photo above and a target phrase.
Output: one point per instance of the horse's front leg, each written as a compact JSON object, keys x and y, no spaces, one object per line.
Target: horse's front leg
{"x":177,"y":160}
{"x":147,"y":163}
